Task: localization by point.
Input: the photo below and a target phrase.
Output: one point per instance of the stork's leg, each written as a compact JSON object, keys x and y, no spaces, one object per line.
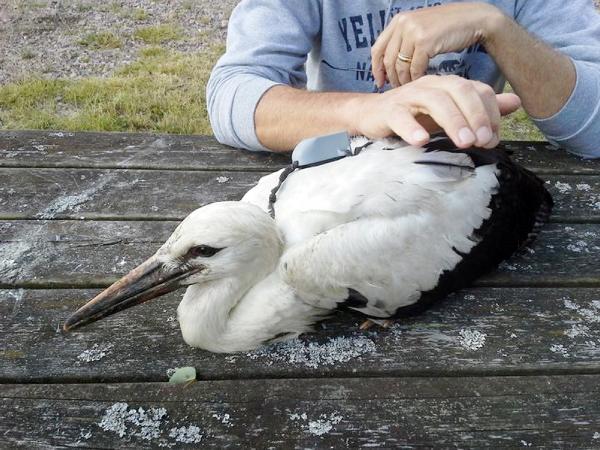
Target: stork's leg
{"x":370,"y":322}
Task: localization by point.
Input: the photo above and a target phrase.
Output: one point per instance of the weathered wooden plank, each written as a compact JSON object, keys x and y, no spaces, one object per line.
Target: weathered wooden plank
{"x":73,"y":193}
{"x":160,"y":195}
{"x":138,"y":150}
{"x":481,"y":330}
{"x":497,"y":412}
{"x":127,"y":150}
{"x":89,"y":253}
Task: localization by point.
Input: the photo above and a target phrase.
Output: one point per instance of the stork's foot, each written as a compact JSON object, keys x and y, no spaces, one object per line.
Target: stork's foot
{"x":383,"y":323}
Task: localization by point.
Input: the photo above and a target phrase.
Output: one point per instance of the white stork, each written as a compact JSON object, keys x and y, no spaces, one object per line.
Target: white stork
{"x":383,"y":233}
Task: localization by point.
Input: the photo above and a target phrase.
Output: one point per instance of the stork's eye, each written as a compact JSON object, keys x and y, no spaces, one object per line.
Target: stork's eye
{"x":202,"y":250}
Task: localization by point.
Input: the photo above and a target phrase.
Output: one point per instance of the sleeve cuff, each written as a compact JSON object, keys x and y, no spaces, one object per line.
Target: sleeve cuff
{"x":577,"y":115}
{"x":247,"y":95}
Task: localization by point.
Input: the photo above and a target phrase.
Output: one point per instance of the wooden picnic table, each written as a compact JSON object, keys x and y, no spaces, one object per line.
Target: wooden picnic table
{"x":511,"y":362}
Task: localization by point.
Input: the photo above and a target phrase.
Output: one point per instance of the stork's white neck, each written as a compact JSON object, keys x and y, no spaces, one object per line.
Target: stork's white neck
{"x":242,"y":312}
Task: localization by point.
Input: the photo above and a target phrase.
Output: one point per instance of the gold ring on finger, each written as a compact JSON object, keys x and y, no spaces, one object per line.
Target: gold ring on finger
{"x":404,"y":58}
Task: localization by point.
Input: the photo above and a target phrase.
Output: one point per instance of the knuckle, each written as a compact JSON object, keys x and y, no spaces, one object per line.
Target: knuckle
{"x":481,"y":119}
{"x":464,"y":87}
{"x":484,"y":89}
{"x":415,"y":71}
{"x":389,"y":62}
{"x":419,"y":35}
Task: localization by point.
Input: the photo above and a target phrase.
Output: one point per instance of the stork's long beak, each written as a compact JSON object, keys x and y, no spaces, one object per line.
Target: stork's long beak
{"x":147,"y":281}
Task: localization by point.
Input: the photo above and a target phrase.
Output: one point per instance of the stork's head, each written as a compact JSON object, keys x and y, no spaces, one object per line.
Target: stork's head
{"x":216,"y":241}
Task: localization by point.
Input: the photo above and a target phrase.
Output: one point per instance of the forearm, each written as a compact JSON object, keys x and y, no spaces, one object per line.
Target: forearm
{"x":285,"y":115}
{"x":543,"y":77}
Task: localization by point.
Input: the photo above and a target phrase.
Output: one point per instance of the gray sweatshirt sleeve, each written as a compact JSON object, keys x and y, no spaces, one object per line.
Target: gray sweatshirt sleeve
{"x":574,"y":29}
{"x":268,"y":43}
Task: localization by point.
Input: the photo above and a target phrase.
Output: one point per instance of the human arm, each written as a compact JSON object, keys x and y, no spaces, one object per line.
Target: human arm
{"x":256,"y":96}
{"x":556,"y":74}
{"x":286,"y":115}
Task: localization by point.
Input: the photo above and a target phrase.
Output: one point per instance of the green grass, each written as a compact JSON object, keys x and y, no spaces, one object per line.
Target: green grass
{"x":518,"y":126}
{"x":163,"y":91}
{"x":158,"y":34}
{"x":101,"y":41}
{"x":27,"y":54}
{"x":137,"y":14}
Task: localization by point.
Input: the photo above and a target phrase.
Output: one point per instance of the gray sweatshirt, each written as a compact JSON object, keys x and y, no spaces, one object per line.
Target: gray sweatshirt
{"x":324,"y":45}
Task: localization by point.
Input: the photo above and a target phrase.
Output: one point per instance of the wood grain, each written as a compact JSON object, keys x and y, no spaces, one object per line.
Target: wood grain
{"x":526,"y":331}
{"x":96,"y":253}
{"x":497,"y":412}
{"x":154,"y":151}
{"x":172,"y":195}
{"x":511,"y":363}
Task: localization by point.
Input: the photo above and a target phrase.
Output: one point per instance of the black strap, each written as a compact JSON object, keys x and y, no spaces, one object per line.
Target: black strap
{"x":273,"y":197}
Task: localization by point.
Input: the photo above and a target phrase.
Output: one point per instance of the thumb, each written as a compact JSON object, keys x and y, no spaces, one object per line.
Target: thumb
{"x":508,"y":103}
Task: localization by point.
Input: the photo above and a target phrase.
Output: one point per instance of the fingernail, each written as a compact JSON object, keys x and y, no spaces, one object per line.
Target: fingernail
{"x":420,"y":136}
{"x":466,"y":136}
{"x":484,"y":135}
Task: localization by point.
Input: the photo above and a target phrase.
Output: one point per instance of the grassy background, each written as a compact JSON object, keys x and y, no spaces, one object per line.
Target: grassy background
{"x":161,"y":91}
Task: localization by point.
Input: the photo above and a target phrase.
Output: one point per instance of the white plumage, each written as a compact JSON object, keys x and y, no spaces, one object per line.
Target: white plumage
{"x":373,"y":232}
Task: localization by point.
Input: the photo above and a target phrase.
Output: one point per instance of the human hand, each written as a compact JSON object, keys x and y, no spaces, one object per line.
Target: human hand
{"x":422,"y":34}
{"x":468,"y":111}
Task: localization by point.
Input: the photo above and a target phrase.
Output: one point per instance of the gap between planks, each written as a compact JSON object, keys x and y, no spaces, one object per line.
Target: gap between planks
{"x":320,"y":377}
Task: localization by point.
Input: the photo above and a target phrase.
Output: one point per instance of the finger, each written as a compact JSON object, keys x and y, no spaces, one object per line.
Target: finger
{"x":476,"y":106}
{"x":418,"y":66}
{"x":407,"y":48}
{"x":441,"y":107}
{"x":490,"y":102}
{"x":391,"y":57}
{"x":404,"y":124}
{"x":377,"y":53}
{"x":508,"y":103}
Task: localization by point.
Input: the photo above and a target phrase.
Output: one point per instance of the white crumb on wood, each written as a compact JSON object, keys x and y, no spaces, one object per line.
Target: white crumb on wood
{"x":312,"y":354}
{"x":224,"y":419}
{"x":563,"y":188}
{"x":525,"y":443}
{"x":577,"y":330}
{"x":96,"y":353}
{"x":318,"y":427}
{"x":144,"y":424}
{"x":186,"y":435}
{"x":297,"y":416}
{"x":471,"y":339}
{"x":591,"y":315}
{"x":323,"y":425}
{"x":584,"y":187}
{"x":87,"y":435}
{"x":147,"y":424}
{"x":222,"y":179}
{"x":578,"y":247}
{"x":559,"y":349}
{"x":596,"y":435}
{"x":569,"y":304}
